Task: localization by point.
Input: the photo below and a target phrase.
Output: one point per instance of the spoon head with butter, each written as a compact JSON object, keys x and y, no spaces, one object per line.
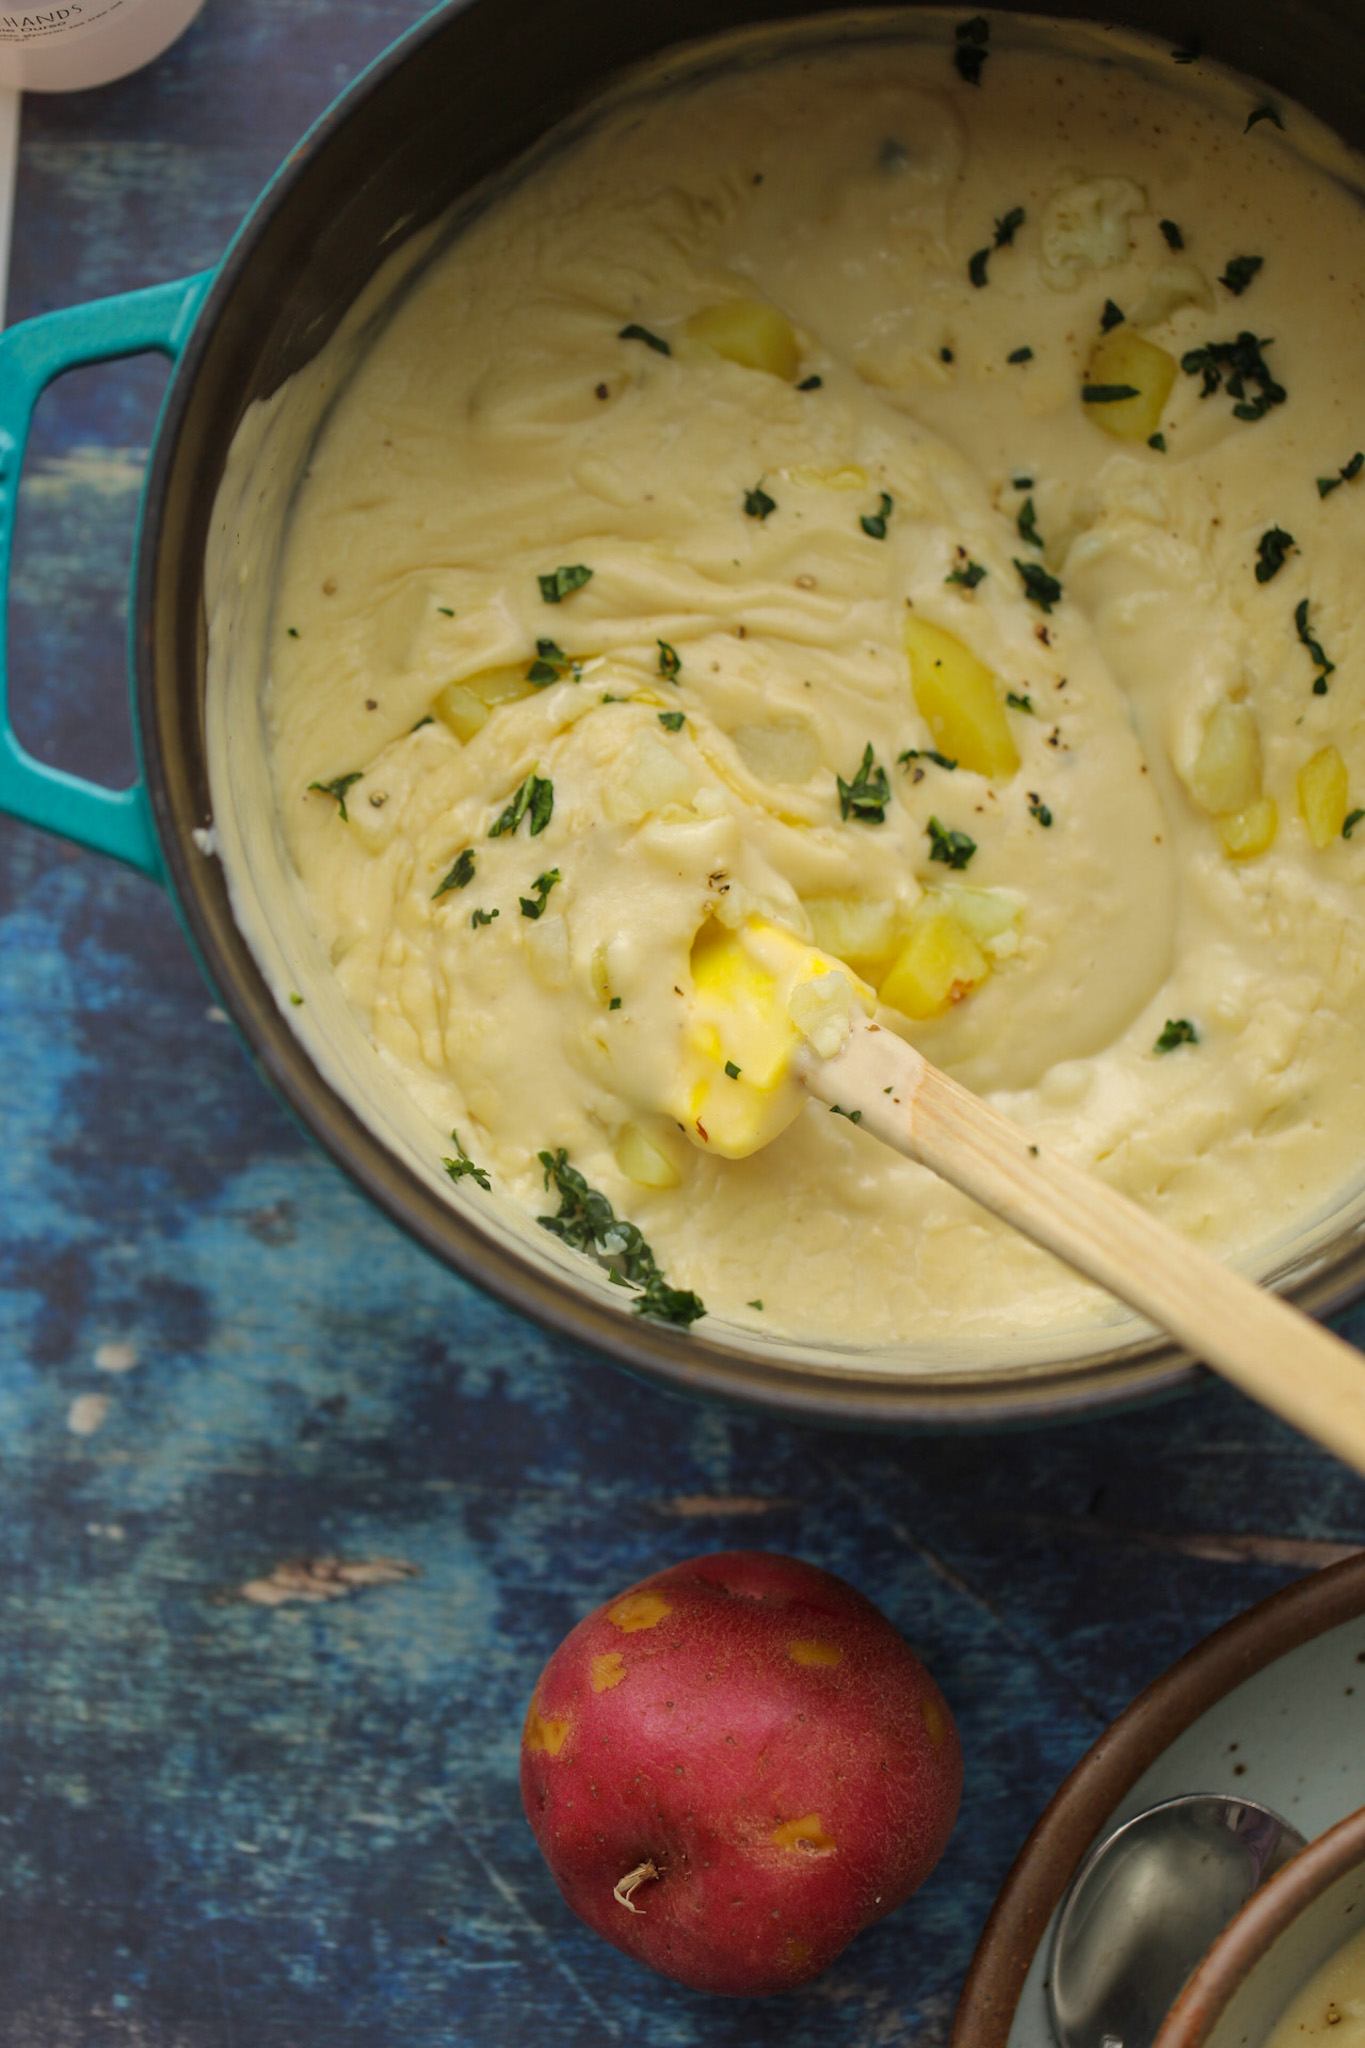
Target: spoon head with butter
{"x":1146,"y":1906}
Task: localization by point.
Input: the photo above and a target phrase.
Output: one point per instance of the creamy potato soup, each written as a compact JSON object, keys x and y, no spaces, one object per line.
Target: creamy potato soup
{"x":1331,"y":2006}
{"x":907,"y":491}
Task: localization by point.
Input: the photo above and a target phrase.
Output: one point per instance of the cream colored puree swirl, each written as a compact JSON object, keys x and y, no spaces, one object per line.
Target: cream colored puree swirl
{"x":501,"y":428}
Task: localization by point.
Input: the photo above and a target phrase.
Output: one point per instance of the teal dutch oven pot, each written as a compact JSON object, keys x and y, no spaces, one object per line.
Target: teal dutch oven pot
{"x":460,"y":97}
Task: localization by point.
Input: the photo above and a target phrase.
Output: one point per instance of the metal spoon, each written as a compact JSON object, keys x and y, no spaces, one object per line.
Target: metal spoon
{"x":1145,"y":1907}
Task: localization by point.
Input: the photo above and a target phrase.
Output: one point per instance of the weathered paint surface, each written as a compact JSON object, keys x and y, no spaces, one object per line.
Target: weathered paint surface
{"x":251,"y":1803}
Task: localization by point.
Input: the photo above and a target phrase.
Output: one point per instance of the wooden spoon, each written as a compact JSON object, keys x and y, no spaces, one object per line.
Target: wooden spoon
{"x":1270,"y":1350}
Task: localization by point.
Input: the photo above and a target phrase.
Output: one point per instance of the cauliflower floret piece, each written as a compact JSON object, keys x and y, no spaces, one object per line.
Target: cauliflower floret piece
{"x":1085,"y":227}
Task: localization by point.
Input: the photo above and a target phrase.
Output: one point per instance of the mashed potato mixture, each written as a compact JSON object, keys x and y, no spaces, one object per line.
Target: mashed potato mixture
{"x":908,"y":491}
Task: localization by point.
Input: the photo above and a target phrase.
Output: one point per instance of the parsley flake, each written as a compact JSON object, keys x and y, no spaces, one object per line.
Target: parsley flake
{"x":874,"y":523}
{"x":1178,"y":1031}
{"x":1345,"y":475}
{"x":1173,"y":236}
{"x":1157,"y":441}
{"x":866,"y":797}
{"x":924,"y":754}
{"x":533,"y":906}
{"x":1027,"y":523}
{"x":462,"y":1164}
{"x":1264,"y":113}
{"x":1326,"y":668}
{"x":460,"y":876}
{"x":482,"y":917}
{"x":755,"y":1304}
{"x":445,"y":611}
{"x":550,"y":665}
{"x":672,"y":721}
{"x":670,"y":662}
{"x":557,"y":584}
{"x":811,"y":384}
{"x":1240,"y":362}
{"x":1018,"y":703}
{"x":338,"y":789}
{"x":968,"y":574}
{"x":976,"y":267}
{"x":428,"y":720}
{"x":1008,"y":226}
{"x":1020,"y":355}
{"x":297,"y":1000}
{"x":1272,"y":552}
{"x":635,"y":332}
{"x":970,"y":39}
{"x":586,"y":1222}
{"x":1107,"y":394}
{"x":537,"y":796}
{"x":1353,"y":818}
{"x":855,"y":1116}
{"x":1038,"y":809}
{"x":758,"y":504}
{"x":615,"y":1003}
{"x":954,"y":849}
{"x":732,"y":1070}
{"x":1240,"y":272}
{"x":1112,"y":316}
{"x":1039,"y":588}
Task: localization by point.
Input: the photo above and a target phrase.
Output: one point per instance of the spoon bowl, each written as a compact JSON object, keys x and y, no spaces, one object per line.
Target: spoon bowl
{"x":1147,"y":1904}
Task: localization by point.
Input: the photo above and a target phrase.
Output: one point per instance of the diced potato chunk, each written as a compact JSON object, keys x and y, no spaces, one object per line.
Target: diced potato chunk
{"x":747,"y":332}
{"x":649,"y":778}
{"x":464,"y":706}
{"x":1249,"y":832}
{"x":959,"y":701}
{"x":989,"y":916}
{"x":862,"y":930}
{"x":939,"y":964}
{"x":1323,"y":796}
{"x":780,"y":750}
{"x":640,"y":1160}
{"x":1227,"y":769}
{"x":1124,"y":356}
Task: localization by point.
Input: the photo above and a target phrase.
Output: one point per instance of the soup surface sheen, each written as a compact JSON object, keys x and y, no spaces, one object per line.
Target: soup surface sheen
{"x":1331,"y":2005}
{"x":867,"y":394}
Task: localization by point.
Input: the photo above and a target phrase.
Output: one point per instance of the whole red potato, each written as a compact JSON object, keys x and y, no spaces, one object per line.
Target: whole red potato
{"x":735,"y":1766}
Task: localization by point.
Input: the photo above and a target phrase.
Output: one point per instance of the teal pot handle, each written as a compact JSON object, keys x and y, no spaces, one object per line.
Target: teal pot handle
{"x":113,"y":821}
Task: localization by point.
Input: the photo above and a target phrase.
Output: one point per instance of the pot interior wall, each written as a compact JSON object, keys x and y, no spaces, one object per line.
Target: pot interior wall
{"x":440,"y":117}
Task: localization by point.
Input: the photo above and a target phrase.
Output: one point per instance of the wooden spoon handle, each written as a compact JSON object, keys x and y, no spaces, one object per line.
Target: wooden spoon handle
{"x":1268,"y":1349}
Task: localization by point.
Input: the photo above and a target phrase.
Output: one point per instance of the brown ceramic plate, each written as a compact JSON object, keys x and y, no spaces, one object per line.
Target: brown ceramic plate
{"x":1266,"y":1707}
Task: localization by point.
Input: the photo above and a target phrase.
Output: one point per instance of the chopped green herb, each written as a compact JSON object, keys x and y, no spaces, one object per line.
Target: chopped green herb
{"x":1326,"y":667}
{"x":536,"y":796}
{"x":1107,"y":394}
{"x":533,"y":906}
{"x":586,"y":1222}
{"x":670,"y":662}
{"x":1008,"y":226}
{"x":1240,"y":362}
{"x":758,"y":504}
{"x":1178,"y":1031}
{"x":293,"y":632}
{"x":428,"y":720}
{"x":1039,"y":588}
{"x":1038,"y":809}
{"x":560,"y":583}
{"x":297,"y":1000}
{"x":755,"y":1304}
{"x":672,"y":721}
{"x":462,"y":1164}
{"x":874,"y":523}
{"x":924,"y":754}
{"x":1272,"y":552}
{"x":810,"y":384}
{"x":976,"y":267}
{"x":445,"y":611}
{"x":969,"y":48}
{"x":1020,"y":355}
{"x":945,"y":355}
{"x":1157,"y":441}
{"x":615,"y":1003}
{"x":732,"y":1070}
{"x":338,"y":789}
{"x":1022,"y":483}
{"x":482,"y":917}
{"x":1240,"y":272}
{"x":1027,"y":523}
{"x":1111,"y":317}
{"x":635,"y":332}
{"x":954,"y":849}
{"x":1174,"y":238}
{"x":1353,"y":818}
{"x":855,"y":1116}
{"x":1346,"y":475}
{"x":969,"y":574}
{"x":1018,"y":703}
{"x":866,"y":797}
{"x":460,"y":876}
{"x":1264,"y":113}
{"x":551,"y":663}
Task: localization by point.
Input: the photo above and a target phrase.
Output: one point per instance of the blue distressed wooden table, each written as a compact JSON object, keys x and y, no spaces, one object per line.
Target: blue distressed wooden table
{"x":245,"y":1804}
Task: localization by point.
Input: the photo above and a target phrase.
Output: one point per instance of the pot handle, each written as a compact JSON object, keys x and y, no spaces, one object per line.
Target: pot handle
{"x":113,"y":821}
